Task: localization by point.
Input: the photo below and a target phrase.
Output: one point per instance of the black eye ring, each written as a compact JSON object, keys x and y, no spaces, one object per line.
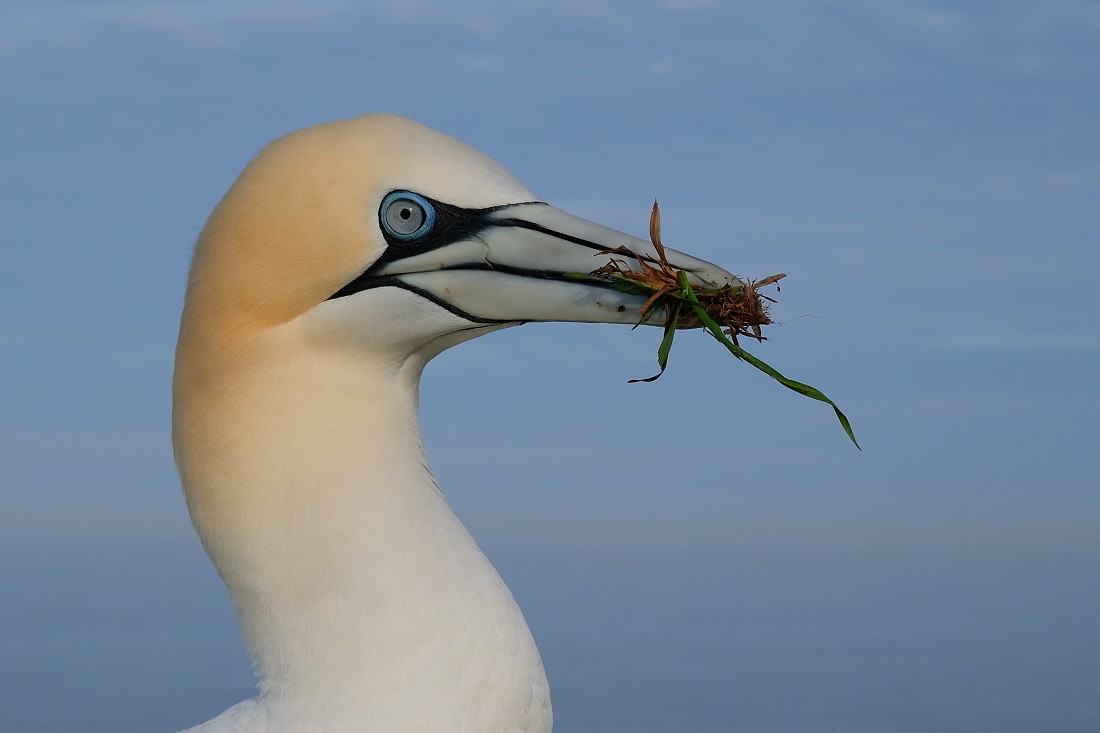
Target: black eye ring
{"x":406,"y":216}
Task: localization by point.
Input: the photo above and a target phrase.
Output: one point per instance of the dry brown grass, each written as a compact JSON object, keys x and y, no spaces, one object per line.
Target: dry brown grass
{"x":741,"y":310}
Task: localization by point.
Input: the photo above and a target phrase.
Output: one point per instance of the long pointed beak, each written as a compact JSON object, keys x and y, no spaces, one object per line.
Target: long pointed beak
{"x":522,"y":265}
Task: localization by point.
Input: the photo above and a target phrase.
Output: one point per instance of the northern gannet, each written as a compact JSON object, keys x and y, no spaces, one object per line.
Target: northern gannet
{"x":343,"y":258}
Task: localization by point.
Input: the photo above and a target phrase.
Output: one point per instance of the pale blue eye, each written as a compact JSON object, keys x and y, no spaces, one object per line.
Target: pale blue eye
{"x":406,"y":216}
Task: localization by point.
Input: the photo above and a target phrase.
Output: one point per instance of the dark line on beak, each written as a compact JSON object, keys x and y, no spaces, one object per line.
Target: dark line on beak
{"x":395,"y":281}
{"x":524,"y":224}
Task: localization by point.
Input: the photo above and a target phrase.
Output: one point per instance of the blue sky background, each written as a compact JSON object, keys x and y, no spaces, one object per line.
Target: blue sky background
{"x":928,"y":174}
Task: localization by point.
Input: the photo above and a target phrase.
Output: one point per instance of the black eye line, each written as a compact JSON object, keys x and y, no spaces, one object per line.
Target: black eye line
{"x":452,"y":223}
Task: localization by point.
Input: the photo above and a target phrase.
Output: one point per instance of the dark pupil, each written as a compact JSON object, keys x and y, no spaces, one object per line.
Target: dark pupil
{"x":406,"y":214}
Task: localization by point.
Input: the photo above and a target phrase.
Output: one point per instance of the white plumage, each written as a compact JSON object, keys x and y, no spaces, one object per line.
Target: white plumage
{"x":313,"y":304}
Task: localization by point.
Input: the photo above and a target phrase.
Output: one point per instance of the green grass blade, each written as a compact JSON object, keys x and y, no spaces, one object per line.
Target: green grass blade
{"x":666,"y":343}
{"x":716,"y":331}
{"x":665,"y":347}
{"x":620,"y":283}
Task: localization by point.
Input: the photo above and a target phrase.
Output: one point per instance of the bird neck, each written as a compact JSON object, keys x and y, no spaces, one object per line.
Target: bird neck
{"x":362,"y":597}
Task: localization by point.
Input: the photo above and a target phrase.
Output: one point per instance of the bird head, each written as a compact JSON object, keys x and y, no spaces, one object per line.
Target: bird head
{"x":384,"y":233}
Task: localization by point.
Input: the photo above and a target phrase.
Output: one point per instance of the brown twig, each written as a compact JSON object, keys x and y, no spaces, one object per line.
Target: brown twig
{"x":740,"y":309}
